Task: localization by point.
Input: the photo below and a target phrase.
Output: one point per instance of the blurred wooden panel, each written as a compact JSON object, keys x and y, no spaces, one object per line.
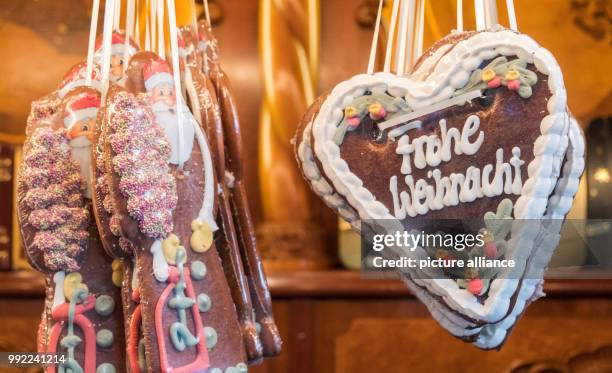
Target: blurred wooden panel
{"x":382,"y":345}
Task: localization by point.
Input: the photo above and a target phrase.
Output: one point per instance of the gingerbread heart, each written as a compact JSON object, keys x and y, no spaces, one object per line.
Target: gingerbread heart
{"x":442,"y":143}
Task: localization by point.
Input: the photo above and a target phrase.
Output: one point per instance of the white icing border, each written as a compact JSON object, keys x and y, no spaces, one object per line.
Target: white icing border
{"x":451,"y":73}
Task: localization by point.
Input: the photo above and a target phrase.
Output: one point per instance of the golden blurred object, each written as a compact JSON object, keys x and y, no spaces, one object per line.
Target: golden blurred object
{"x":291,"y":235}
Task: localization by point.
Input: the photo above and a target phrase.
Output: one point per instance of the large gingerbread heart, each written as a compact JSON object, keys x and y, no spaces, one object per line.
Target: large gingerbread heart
{"x":479,"y":130}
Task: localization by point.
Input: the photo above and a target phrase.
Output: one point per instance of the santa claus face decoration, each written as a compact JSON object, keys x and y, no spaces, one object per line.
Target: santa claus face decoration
{"x":79,"y":122}
{"x":159,"y":84}
{"x":117,"y":54}
{"x":163,"y":93}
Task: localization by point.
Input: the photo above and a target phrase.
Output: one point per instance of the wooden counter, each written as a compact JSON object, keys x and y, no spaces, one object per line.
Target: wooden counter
{"x":339,"y":321}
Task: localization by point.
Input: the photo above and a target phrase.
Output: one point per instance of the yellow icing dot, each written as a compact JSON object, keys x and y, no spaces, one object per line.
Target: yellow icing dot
{"x":169,"y":247}
{"x":488,"y":74}
{"x":202,"y":237}
{"x":471,"y":273}
{"x":512,"y":74}
{"x":487,"y":237}
{"x":350,"y":111}
{"x":117,"y":276}
{"x":72,"y":282}
{"x":374,"y":108}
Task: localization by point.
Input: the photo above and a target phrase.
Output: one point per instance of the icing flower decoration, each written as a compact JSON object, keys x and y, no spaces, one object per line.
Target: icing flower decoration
{"x":512,"y":74}
{"x":377,"y":111}
{"x":514,"y":85}
{"x":353,"y":122}
{"x":352,"y":116}
{"x":441,"y":254}
{"x":471,"y":273}
{"x":350,"y":111}
{"x":475,"y":286}
{"x":490,"y":250}
{"x":495,"y":82}
{"x":488,"y":74}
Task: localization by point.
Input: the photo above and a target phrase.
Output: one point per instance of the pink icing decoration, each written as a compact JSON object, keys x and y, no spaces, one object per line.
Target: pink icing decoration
{"x":141,"y":161}
{"x":58,"y":214}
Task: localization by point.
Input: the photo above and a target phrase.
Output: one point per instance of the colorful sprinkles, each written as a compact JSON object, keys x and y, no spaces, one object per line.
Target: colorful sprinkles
{"x":141,"y":161}
{"x":54,"y":195}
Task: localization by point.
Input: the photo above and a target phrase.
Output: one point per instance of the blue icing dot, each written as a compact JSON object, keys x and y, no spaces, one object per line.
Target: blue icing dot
{"x":105,"y":305}
{"x":257,"y":327}
{"x":106,"y":368}
{"x":216,"y":370}
{"x":242,"y":367}
{"x":232,"y":370}
{"x":204,"y":302}
{"x":198,"y":270}
{"x":104,"y":338}
{"x":211,"y":336}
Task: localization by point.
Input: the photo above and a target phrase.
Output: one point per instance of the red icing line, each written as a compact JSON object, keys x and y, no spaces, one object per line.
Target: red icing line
{"x":132,"y":345}
{"x":202,"y":360}
{"x":60,"y":315}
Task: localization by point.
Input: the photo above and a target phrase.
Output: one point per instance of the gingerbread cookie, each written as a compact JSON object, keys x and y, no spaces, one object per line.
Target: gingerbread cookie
{"x":218,"y":82}
{"x":162,"y":184}
{"x":440,"y":144}
{"x":82,"y":315}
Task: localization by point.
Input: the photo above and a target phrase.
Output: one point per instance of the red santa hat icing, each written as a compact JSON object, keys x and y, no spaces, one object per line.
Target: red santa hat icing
{"x":83,"y":106}
{"x":75,"y":77}
{"x":156,"y":72}
{"x":117,"y":45}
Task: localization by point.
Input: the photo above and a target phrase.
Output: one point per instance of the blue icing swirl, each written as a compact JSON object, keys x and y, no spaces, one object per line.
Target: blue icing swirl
{"x":180,"y":335}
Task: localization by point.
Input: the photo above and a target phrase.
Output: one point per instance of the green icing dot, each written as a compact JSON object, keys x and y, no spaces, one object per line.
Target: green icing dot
{"x":242,"y":367}
{"x":104,"y":338}
{"x":232,"y":370}
{"x":216,"y":370}
{"x":198,"y":270}
{"x":204,"y":302}
{"x":106,"y":368}
{"x":257,"y":327}
{"x":211,"y":336}
{"x":105,"y":305}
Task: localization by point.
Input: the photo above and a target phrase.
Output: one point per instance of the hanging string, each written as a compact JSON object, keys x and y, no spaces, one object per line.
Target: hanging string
{"x":490,"y":7}
{"x":161,"y":39}
{"x":460,"y":15}
{"x":388,"y":52}
{"x":479,"y":10}
{"x":194,"y":20}
{"x":137,"y":23}
{"x":375,"y":40}
{"x":207,"y":12}
{"x":420,"y":31}
{"x":128,"y":31}
{"x":400,"y":58}
{"x":153,"y":23}
{"x":107,"y":33}
{"x":117,"y":15}
{"x":177,"y":77}
{"x":147,"y":35}
{"x":408,"y":59}
{"x":92,"y":41}
{"x":511,"y":15}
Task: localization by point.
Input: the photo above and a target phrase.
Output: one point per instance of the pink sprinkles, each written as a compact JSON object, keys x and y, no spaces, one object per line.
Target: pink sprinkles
{"x":141,"y":161}
{"x":54,"y":194}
